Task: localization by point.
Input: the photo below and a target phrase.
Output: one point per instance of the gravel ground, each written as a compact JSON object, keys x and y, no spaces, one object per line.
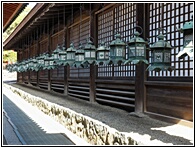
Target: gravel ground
{"x":117,"y":118}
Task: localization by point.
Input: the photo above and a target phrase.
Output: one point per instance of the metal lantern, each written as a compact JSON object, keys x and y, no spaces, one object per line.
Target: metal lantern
{"x":22,"y":66}
{"x":39,"y":65}
{"x":26,"y":65}
{"x":62,"y":56}
{"x":30,"y":61}
{"x":161,"y":55}
{"x":19,"y":67}
{"x":15,"y":67}
{"x":187,"y":30}
{"x":137,"y":50}
{"x":35,"y":65}
{"x":71,"y":54}
{"x":46,"y":61}
{"x":102,"y":54}
{"x":89,"y":52}
{"x":56,"y":52}
{"x":9,"y":67}
{"x":52,"y":63}
{"x":117,"y":51}
{"x":41,"y":60}
{"x":79,"y":56}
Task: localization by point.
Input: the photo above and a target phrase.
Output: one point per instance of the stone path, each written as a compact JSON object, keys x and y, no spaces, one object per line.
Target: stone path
{"x":30,"y":126}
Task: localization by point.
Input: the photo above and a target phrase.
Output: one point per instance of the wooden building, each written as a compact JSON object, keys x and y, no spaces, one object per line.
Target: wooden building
{"x":165,"y":95}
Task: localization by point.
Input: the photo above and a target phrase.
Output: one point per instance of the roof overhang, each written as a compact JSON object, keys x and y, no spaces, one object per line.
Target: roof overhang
{"x":10,"y":12}
{"x":39,"y":15}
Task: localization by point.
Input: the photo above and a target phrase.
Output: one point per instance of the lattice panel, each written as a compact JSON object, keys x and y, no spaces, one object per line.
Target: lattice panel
{"x":79,"y":72}
{"x":44,"y":46}
{"x":33,"y":50}
{"x":25,"y":54}
{"x":120,"y":19}
{"x":171,"y":16}
{"x":116,"y":71}
{"x":105,"y":27}
{"x":33,"y":74}
{"x":125,"y":20}
{"x":19,"y":56}
{"x":79,"y":33}
{"x":57,"y":39}
{"x":43,"y":74}
{"x":58,"y":73}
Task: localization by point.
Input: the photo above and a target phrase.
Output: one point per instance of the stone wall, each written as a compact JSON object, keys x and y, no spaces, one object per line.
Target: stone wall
{"x":91,"y":130}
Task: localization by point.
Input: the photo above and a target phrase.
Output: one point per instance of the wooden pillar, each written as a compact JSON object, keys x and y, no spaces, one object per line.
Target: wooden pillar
{"x":140,"y":73}
{"x":93,"y":71}
{"x":38,"y":53}
{"x":26,"y":58}
{"x":49,"y":50}
{"x":49,"y":80}
{"x":17,"y":74}
{"x":66,"y":76}
{"x":140,"y":91}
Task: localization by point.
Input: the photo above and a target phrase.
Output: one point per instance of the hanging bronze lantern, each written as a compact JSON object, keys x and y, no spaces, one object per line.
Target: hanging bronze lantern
{"x":187,"y":30}
{"x":46,"y":61}
{"x":35,"y":64}
{"x":62,"y":56}
{"x":71,"y":55}
{"x":79,"y":56}
{"x":21,"y":69}
{"x":52,"y":64}
{"x":9,"y":67}
{"x":15,"y":67}
{"x":26,"y":65}
{"x":102,"y":54}
{"x":56,"y":52}
{"x":117,"y":51}
{"x":137,"y":49}
{"x":40,"y":60}
{"x":30,"y":61}
{"x":89,"y":53}
{"x":161,"y":55}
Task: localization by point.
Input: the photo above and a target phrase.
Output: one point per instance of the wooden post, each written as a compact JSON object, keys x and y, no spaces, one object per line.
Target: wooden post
{"x":49,"y":80}
{"x":37,"y":73}
{"x":140,"y":73}
{"x":139,"y":87}
{"x":93,"y":72}
{"x":49,"y":50}
{"x":66,"y":76}
{"x":28,"y":72}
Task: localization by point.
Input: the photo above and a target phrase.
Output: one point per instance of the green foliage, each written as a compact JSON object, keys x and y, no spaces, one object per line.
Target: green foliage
{"x":10,"y":56}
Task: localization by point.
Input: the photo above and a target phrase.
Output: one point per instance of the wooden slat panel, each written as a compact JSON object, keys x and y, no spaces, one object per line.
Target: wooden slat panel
{"x":174,"y":101}
{"x":120,"y":85}
{"x":116,"y":93}
{"x":79,"y":88}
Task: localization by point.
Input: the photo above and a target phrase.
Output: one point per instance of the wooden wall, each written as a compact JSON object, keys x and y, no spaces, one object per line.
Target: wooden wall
{"x":130,"y":87}
{"x":173,"y":99}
